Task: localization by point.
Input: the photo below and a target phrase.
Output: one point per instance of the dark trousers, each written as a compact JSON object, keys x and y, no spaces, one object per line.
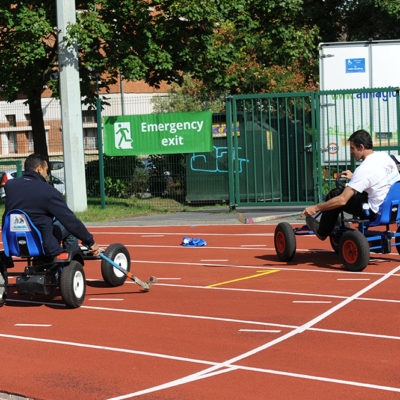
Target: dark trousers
{"x":353,"y":207}
{"x":69,"y":241}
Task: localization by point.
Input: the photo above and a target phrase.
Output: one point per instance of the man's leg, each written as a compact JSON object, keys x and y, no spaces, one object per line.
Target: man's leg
{"x":69,"y":241}
{"x":329,"y":218}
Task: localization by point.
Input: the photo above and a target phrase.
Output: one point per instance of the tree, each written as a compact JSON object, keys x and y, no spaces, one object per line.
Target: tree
{"x":28,"y":55}
{"x":137,"y":37}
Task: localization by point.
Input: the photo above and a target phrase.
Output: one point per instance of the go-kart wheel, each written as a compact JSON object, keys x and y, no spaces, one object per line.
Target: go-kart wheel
{"x":335,"y":236}
{"x":285,"y":241}
{"x":397,"y":240}
{"x":73,"y":284}
{"x":334,"y":243}
{"x":354,"y":250}
{"x":119,"y":254}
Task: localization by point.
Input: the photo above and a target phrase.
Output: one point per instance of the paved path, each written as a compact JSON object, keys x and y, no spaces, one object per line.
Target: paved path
{"x":214,"y":216}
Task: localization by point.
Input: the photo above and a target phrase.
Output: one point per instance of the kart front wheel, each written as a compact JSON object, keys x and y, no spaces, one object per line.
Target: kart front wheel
{"x":73,"y":284}
{"x":119,"y":254}
{"x":354,"y":251}
{"x":285,"y":241}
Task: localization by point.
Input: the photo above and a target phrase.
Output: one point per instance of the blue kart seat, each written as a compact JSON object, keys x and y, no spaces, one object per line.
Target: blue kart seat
{"x":21,"y":238}
{"x":389,"y":210}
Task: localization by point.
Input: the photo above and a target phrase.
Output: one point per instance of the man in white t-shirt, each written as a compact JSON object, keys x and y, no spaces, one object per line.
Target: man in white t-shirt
{"x":370,"y":184}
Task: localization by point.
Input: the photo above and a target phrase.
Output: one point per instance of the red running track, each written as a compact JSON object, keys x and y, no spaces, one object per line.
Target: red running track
{"x":225,"y":321}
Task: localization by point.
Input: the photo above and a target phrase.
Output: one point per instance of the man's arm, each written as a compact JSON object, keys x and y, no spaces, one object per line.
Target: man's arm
{"x":334,"y":202}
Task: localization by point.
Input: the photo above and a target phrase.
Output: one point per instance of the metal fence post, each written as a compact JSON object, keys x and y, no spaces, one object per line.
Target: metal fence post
{"x":100,"y":144}
{"x":231,"y":182}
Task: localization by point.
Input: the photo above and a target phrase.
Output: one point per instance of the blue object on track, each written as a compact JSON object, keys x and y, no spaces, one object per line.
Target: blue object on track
{"x":193,"y":242}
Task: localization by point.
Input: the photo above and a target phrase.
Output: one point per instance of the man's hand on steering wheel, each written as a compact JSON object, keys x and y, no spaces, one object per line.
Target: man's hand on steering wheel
{"x":342,"y":177}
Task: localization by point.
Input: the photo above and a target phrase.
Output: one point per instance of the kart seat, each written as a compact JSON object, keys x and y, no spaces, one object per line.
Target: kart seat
{"x":389,"y":210}
{"x":21,"y":238}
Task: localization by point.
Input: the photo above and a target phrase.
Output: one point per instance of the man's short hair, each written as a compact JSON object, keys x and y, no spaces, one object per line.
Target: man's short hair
{"x":361,"y":137}
{"x":33,"y":161}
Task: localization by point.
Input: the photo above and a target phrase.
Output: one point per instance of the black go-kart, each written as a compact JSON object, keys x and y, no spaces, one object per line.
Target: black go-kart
{"x":353,"y":245}
{"x":43,"y":275}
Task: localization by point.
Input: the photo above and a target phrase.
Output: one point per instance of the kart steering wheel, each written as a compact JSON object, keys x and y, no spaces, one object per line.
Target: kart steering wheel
{"x":340,"y":181}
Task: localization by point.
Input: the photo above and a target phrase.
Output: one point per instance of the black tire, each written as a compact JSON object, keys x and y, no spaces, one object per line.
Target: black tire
{"x":334,"y":238}
{"x":285,"y":241}
{"x":397,"y":240}
{"x":73,"y":284}
{"x":354,"y":250}
{"x":120,"y":255}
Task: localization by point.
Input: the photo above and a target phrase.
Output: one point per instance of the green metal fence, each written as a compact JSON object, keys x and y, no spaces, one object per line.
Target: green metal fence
{"x":292,"y":143}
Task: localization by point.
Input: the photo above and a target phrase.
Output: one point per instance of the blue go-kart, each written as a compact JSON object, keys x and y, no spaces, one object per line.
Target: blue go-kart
{"x":43,"y":275}
{"x":352,"y":245}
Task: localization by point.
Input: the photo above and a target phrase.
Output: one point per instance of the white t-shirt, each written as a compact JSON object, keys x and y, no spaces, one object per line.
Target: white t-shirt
{"x":375,"y":175}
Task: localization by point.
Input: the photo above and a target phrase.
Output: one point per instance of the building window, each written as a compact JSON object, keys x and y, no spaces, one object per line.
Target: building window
{"x":89,"y":116}
{"x":12,"y":142}
{"x":90,"y":138}
{"x":29,"y":140}
{"x":28,"y":119}
{"x":12,"y":120}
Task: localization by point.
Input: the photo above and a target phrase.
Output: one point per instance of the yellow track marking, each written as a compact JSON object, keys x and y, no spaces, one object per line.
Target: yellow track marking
{"x":246,"y":277}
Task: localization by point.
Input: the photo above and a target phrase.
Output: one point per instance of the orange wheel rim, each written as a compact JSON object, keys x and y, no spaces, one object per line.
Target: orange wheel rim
{"x":350,"y":251}
{"x":280,"y":242}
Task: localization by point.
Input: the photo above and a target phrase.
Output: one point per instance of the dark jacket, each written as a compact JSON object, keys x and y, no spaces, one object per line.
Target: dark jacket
{"x":41,"y":201}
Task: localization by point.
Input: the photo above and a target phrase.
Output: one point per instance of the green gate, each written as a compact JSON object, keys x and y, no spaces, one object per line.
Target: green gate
{"x":286,"y":147}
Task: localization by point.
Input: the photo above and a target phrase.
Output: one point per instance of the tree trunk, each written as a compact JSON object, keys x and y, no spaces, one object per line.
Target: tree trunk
{"x":38,"y":131}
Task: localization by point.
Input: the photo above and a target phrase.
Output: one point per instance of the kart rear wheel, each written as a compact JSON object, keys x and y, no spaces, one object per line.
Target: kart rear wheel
{"x":354,"y":251}
{"x":120,"y":255}
{"x":285,"y":241}
{"x":73,"y":284}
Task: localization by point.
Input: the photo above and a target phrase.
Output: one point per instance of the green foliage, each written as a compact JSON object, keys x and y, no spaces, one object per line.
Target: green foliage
{"x":118,"y":173}
{"x":189,"y":96}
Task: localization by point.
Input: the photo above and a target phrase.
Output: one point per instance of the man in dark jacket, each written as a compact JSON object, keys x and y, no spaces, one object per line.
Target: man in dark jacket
{"x":43,"y":203}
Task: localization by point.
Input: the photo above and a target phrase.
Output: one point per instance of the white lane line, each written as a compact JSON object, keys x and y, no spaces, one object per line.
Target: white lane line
{"x":104,"y":299}
{"x":197,"y":361}
{"x":281,"y":268}
{"x":34,"y":325}
{"x":260,"y":330}
{"x":170,"y":279}
{"x":271,"y":292}
{"x":294,"y":332}
{"x":353,"y":279}
{"x":150,"y":235}
{"x":184,"y":233}
{"x":116,"y":349}
{"x":311,"y":302}
{"x":218,"y":319}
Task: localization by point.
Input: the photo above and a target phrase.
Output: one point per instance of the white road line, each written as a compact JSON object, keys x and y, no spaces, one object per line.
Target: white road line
{"x":34,"y":325}
{"x":171,"y":279}
{"x":260,"y":330}
{"x":104,"y":299}
{"x":150,"y":235}
{"x":184,"y":233}
{"x":281,"y":268}
{"x":310,"y":302}
{"x":294,"y":332}
{"x":204,"y":375}
{"x":253,"y":245}
{"x":218,"y":319}
{"x":353,"y":279}
{"x":272,"y":292}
